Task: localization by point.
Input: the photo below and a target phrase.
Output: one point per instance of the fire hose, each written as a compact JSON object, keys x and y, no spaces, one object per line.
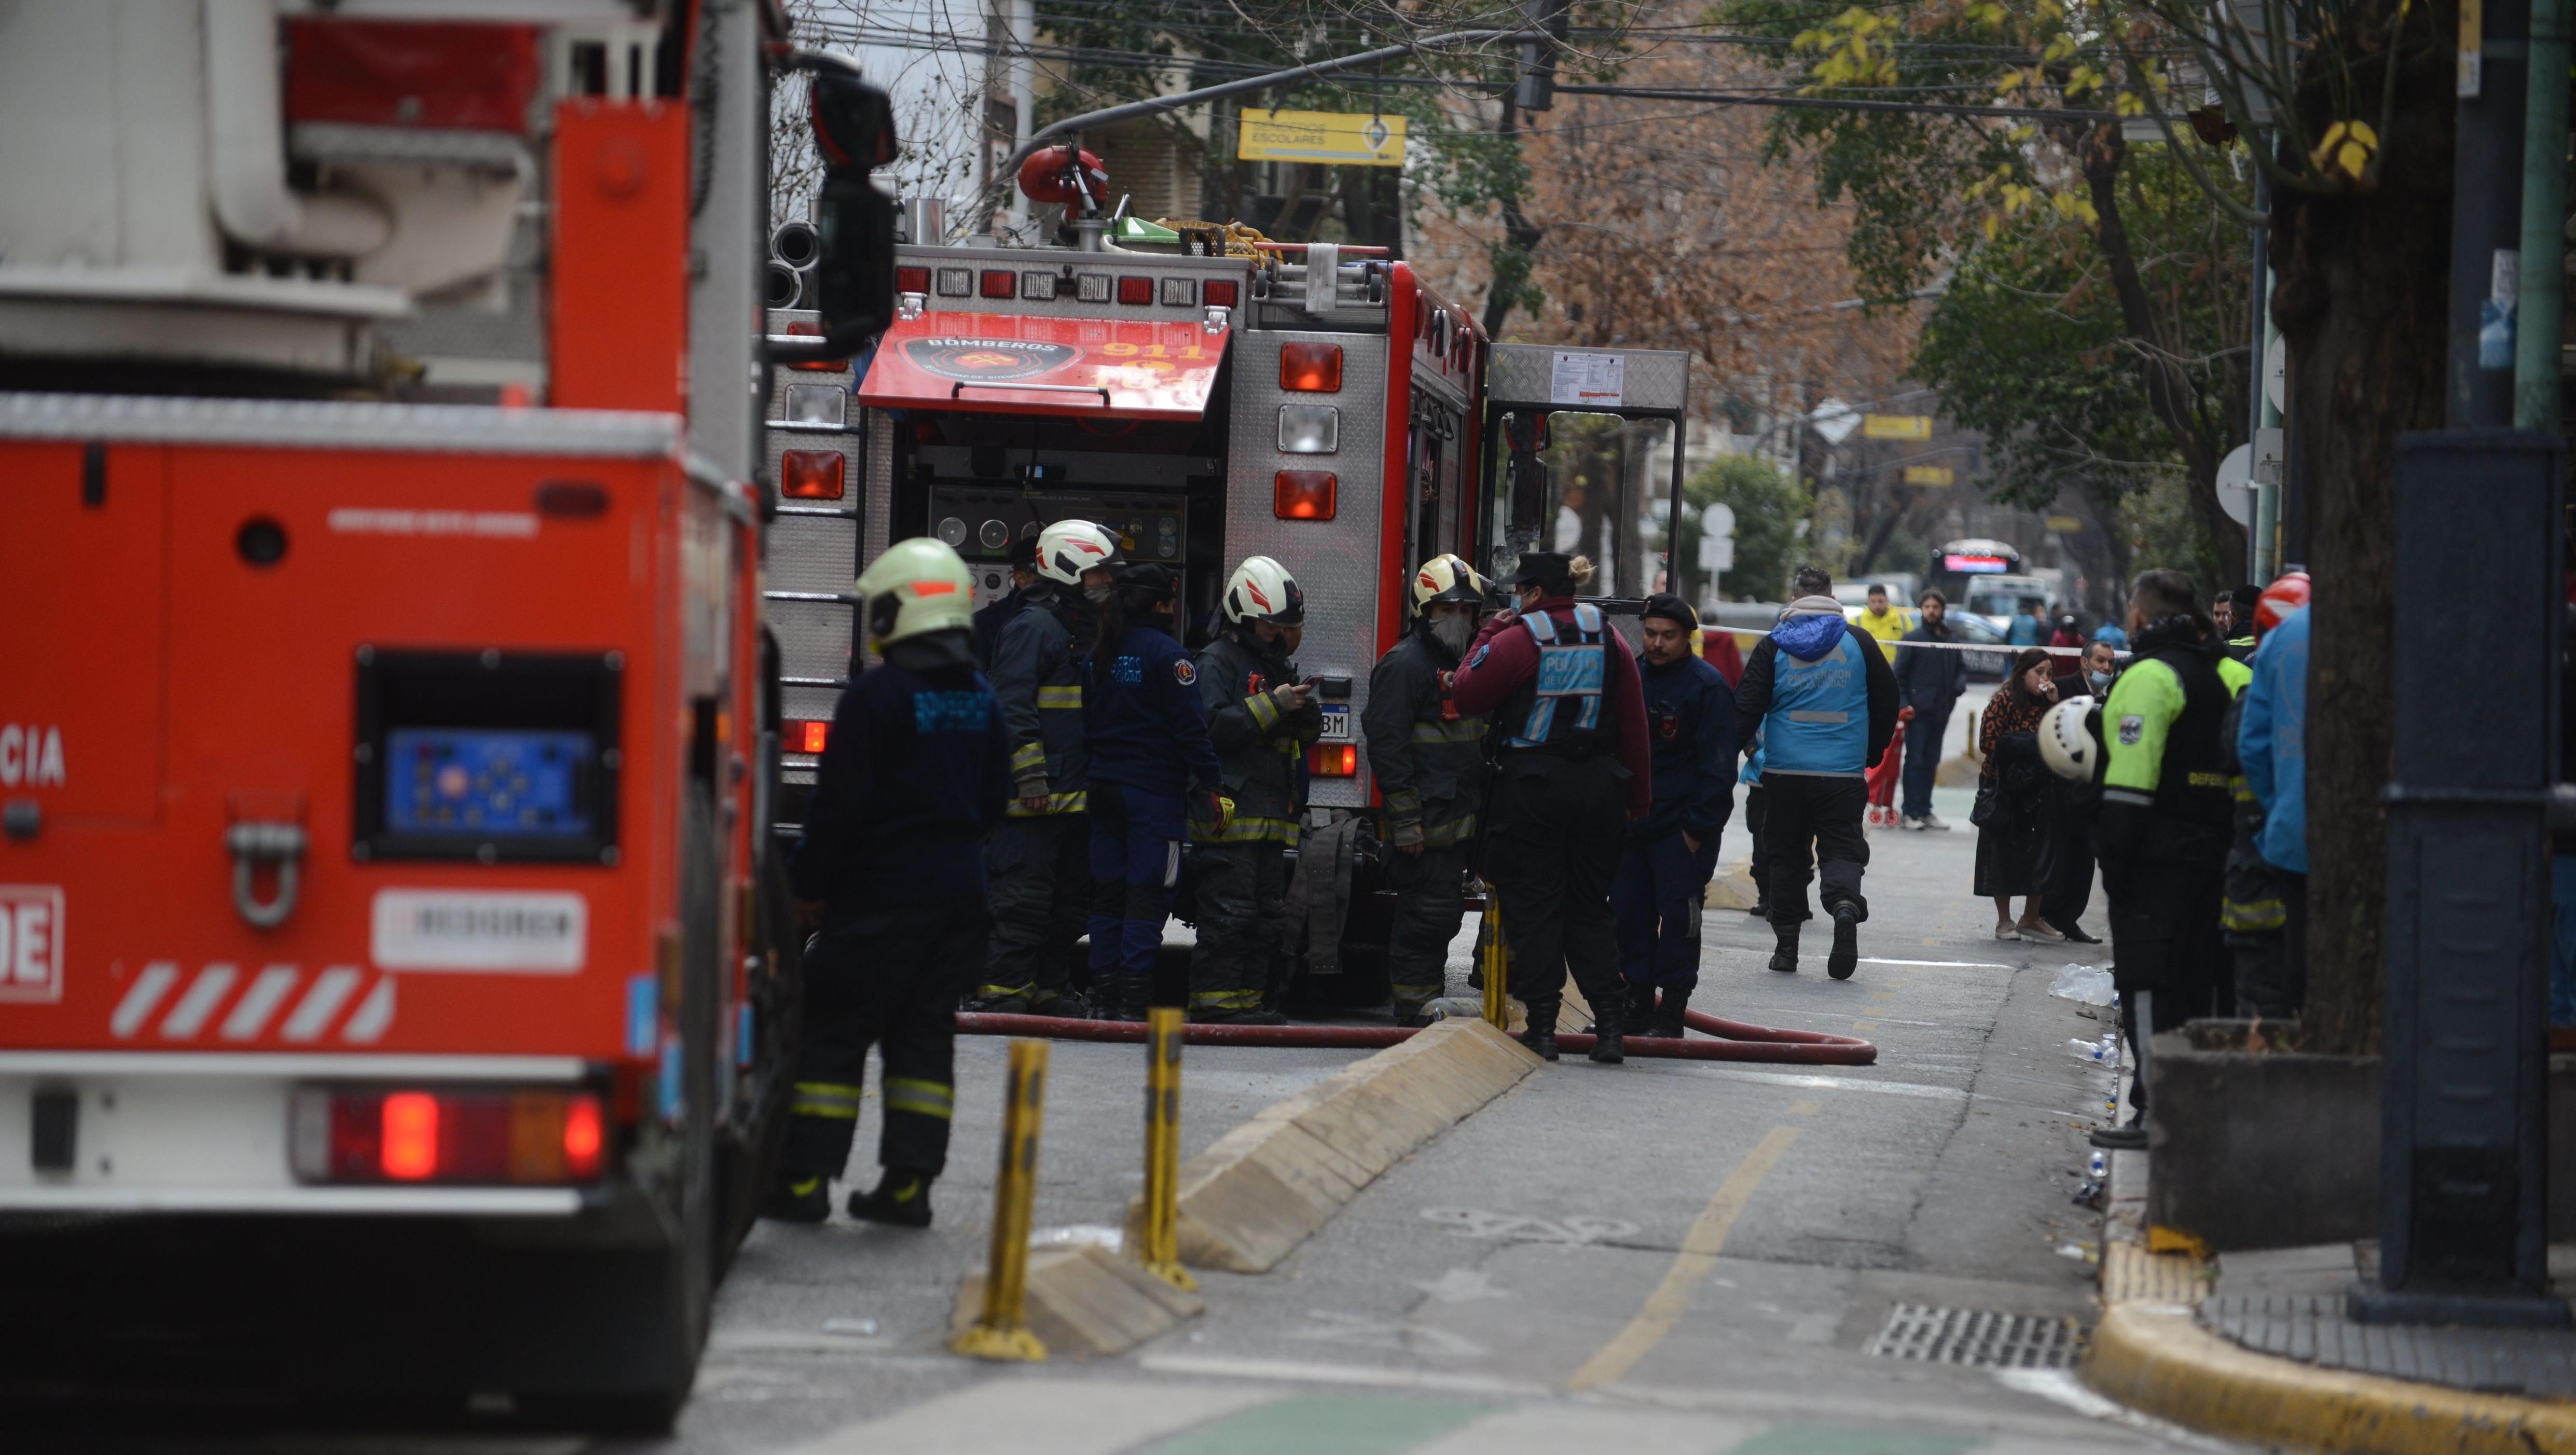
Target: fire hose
{"x":1731,"y":1040}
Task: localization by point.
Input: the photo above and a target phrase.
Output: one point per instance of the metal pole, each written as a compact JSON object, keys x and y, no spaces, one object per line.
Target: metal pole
{"x":1003,"y":1331}
{"x":1498,"y":1012}
{"x":2537,"y":317}
{"x":1158,"y":1250}
{"x":2486,"y":214}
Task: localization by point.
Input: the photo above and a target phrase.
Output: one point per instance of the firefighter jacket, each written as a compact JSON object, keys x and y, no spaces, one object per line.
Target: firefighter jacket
{"x":1037,"y":679}
{"x":911,"y":779}
{"x":1503,"y":675}
{"x":1427,"y":754}
{"x":1142,"y":719}
{"x":2164,"y":779}
{"x":1259,"y":747}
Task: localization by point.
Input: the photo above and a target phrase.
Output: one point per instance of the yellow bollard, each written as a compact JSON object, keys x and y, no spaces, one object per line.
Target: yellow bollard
{"x":1498,"y":1010}
{"x":1003,"y":1331}
{"x":1158,"y":1251}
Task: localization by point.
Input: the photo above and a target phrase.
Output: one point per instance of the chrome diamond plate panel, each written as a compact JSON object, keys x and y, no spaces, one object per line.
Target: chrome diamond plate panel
{"x":1518,"y":377}
{"x":813,"y":553}
{"x":1335,"y":561}
{"x":813,"y":639}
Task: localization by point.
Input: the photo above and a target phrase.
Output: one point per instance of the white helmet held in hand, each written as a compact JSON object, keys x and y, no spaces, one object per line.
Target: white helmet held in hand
{"x":917,"y":586}
{"x":2066,"y":741}
{"x":1068,"y":548}
{"x":1262,"y":590}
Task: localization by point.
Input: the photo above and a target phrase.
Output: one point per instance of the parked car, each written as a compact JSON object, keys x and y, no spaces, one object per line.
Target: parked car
{"x":1983,"y":666}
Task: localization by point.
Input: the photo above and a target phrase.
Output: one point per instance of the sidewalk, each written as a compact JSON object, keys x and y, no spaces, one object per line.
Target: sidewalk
{"x":2256,"y":1346}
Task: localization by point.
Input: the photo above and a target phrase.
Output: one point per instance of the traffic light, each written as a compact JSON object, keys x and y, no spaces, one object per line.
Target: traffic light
{"x":1537,"y":91}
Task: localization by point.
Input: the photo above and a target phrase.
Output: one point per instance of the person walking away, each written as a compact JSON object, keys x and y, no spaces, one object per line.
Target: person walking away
{"x":1571,"y":769}
{"x":890,"y":873}
{"x":1429,"y":760}
{"x":1826,"y":701}
{"x":1260,"y":719}
{"x":1929,"y":679}
{"x":1879,"y":621}
{"x":2063,"y":872}
{"x":1662,"y":886}
{"x":2162,"y":828}
{"x":990,"y":621}
{"x":2029,"y":626}
{"x":1038,"y":862}
{"x":2010,"y":797}
{"x":2271,"y":748}
{"x":1154,"y":776}
{"x":1754,"y":813}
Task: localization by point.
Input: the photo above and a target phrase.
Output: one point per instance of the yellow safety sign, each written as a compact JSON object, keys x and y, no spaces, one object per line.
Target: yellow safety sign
{"x":1322,"y":136}
{"x":1929,"y":475}
{"x":1896,"y":426}
{"x":2064,"y":524}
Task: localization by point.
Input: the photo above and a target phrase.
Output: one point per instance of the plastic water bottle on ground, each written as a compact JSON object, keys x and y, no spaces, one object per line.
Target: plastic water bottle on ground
{"x":2098,"y":1168}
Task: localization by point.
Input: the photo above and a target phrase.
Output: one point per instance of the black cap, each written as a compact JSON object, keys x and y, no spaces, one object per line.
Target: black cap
{"x":1672,"y":608}
{"x":1547,"y":570}
{"x":1024,"y":553}
{"x":1144,"y":579}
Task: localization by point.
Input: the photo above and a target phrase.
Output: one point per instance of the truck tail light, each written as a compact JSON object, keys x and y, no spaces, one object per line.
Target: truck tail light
{"x":807,"y":737}
{"x":490,"y":1136}
{"x":1001,"y":283}
{"x":810,"y":474}
{"x":1311,"y":368}
{"x":912,"y":280}
{"x":1303,"y":495}
{"x":1333,"y":760}
{"x":1219,"y":292}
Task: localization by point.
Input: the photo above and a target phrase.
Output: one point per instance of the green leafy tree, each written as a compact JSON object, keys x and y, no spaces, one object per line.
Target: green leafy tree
{"x":1774,"y":512}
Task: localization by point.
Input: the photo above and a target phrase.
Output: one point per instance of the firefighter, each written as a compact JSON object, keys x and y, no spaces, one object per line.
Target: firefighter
{"x":1663,"y":880}
{"x":1039,"y":861}
{"x":1260,"y":719}
{"x":891,"y":870}
{"x":1569,"y":740}
{"x":1429,"y":760}
{"x":1154,"y":776}
{"x":2163,"y":828}
{"x":990,"y":621}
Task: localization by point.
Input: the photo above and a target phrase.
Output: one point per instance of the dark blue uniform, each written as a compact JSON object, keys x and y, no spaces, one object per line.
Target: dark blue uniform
{"x":1148,"y":738}
{"x":912,"y":777}
{"x":1690,"y":726}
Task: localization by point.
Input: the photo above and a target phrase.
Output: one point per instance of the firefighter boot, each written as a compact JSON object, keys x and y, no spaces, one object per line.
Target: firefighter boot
{"x":1784,"y":955}
{"x":1668,"y":1021}
{"x":1608,"y":1046}
{"x":900,"y":1199}
{"x":799,"y":1199}
{"x":1541,"y":1034}
{"x":1845,"y":955}
{"x":1066,"y":1004}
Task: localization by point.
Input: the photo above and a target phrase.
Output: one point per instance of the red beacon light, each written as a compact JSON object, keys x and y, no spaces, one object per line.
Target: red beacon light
{"x":1304,"y":494}
{"x":1310,"y":368}
{"x":1333,"y":760}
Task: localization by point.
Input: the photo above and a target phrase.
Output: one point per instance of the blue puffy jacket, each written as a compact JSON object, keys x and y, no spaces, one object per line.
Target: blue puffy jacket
{"x":2271,"y":741}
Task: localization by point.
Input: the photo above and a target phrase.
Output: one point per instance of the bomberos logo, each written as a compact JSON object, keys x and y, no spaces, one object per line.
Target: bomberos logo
{"x":987,"y":360}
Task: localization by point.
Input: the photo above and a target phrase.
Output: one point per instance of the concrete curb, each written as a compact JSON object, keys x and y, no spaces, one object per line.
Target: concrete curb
{"x":1087,"y":1301}
{"x":2153,"y":1357}
{"x":1264,"y":1187}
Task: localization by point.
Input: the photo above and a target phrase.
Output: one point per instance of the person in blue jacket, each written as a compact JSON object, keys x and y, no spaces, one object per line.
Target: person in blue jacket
{"x":2271,"y":745}
{"x":891,"y":872}
{"x":1154,"y":774}
{"x":1751,"y":779}
{"x":1663,"y":877}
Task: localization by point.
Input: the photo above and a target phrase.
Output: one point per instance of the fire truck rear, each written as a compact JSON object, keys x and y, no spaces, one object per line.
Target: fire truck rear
{"x":1204,"y":400}
{"x":392,"y":993}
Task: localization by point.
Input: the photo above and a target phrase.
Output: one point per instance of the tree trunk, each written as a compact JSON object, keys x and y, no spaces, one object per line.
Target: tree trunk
{"x":2363,"y":304}
{"x":2169,"y":390}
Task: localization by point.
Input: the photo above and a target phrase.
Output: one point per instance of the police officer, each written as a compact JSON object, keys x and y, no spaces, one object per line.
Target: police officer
{"x":1154,"y":775}
{"x":1260,"y":718}
{"x":1429,"y":760}
{"x":1038,"y":862}
{"x":891,"y":869}
{"x":1825,"y":702}
{"x":2165,"y":813}
{"x":1571,"y":768}
{"x":1663,"y":879}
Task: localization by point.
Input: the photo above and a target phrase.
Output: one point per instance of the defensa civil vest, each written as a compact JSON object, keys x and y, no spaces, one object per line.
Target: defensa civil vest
{"x":1819,"y":717}
{"x":1565,"y":693}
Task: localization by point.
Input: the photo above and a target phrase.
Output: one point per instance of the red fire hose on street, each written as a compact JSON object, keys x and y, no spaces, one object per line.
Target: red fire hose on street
{"x":1734,"y":1040}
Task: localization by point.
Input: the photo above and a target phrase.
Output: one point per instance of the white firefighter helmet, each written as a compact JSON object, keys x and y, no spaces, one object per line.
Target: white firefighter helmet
{"x":2066,"y":741}
{"x":1262,"y":590}
{"x":1068,"y":548}
{"x":917,"y":586}
{"x":1446,"y":578}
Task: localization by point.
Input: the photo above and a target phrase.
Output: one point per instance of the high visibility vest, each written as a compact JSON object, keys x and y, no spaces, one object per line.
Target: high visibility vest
{"x":1565,"y":706}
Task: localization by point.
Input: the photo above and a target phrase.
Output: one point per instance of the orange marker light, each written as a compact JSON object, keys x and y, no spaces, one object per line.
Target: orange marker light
{"x":1311,"y":368}
{"x":810,"y":474}
{"x":1304,"y":494}
{"x":410,"y":1131}
{"x":1333,"y":760}
{"x":583,"y":1138}
{"x":807,"y":737}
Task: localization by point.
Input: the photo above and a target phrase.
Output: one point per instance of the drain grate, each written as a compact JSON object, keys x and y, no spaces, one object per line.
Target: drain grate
{"x":1978,"y":1338}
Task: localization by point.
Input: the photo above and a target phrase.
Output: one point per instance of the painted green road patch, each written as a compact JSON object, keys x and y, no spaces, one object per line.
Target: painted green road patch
{"x":1823,"y":1440}
{"x":1322,"y":1426}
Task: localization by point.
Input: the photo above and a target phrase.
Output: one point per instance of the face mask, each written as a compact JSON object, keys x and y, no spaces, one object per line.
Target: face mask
{"x":2100,"y":680}
{"x":1098,"y":594}
{"x":1453,"y":632}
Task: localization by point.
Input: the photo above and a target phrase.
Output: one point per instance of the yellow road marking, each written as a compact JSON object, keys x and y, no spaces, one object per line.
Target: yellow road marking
{"x":1864,"y":1025}
{"x":1664,"y":1306}
{"x":1805,"y":1108}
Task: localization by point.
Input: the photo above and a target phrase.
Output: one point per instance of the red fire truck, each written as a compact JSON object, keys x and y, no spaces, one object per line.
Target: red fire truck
{"x":392,"y":993}
{"x":1317,"y":404}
